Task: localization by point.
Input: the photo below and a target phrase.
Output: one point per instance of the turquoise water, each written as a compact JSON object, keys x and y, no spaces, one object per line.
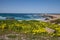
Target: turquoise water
{"x":22,"y":16}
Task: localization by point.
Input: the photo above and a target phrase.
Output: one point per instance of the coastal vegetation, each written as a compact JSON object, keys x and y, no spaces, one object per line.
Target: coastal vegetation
{"x":33,"y":27}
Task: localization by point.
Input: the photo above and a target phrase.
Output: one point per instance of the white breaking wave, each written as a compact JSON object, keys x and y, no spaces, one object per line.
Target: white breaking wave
{"x":2,"y":17}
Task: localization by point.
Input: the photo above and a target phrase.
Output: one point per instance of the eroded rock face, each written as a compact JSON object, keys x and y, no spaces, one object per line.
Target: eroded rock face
{"x":49,"y":30}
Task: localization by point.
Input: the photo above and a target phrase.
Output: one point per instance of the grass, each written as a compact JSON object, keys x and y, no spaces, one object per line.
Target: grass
{"x":36,"y":28}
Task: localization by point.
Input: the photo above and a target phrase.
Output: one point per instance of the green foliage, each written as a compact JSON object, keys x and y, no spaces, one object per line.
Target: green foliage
{"x":29,"y":26}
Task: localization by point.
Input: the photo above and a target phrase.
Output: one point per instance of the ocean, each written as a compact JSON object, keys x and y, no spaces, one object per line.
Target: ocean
{"x":22,"y":16}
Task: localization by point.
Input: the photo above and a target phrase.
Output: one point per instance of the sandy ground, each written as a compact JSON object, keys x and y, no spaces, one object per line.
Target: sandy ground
{"x":55,"y":17}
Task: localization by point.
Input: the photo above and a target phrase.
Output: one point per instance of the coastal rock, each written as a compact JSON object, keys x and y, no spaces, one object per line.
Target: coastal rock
{"x":49,"y":30}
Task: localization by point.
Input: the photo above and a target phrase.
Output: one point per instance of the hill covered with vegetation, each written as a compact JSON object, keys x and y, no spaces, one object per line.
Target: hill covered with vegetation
{"x":33,"y":28}
{"x":30,"y":26}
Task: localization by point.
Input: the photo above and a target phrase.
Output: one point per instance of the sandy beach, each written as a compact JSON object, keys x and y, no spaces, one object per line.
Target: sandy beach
{"x":55,"y":16}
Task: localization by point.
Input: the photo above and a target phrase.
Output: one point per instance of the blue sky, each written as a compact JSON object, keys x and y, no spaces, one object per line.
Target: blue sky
{"x":29,"y":6}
